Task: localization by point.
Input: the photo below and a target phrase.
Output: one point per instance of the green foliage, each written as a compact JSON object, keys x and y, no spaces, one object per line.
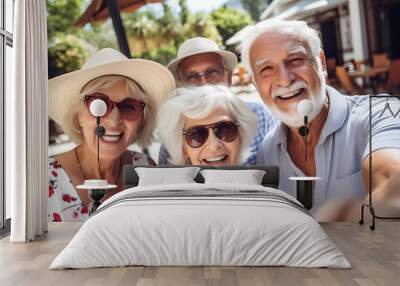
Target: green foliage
{"x":99,"y":36}
{"x":156,"y":37}
{"x":66,"y":54}
{"x":200,"y":25}
{"x":228,"y":21}
{"x":168,"y":16}
{"x":173,"y":34}
{"x":163,"y":54}
{"x":255,"y":7}
{"x":184,"y":11}
{"x":66,"y":51}
{"x":61,"y":15}
{"x":170,"y":25}
{"x":169,"y":30}
{"x":141,"y":25}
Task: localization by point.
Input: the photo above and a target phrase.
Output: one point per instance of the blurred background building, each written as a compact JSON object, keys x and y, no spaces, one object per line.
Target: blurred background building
{"x":360,"y":39}
{"x":350,"y":29}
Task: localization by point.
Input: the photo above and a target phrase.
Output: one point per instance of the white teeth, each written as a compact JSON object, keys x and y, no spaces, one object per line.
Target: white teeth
{"x":289,"y":94}
{"x":215,"y":159}
{"x":110,"y":138}
{"x":114,"y":133}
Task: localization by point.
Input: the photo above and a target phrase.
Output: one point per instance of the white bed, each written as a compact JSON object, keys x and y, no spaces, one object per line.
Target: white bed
{"x":201,"y":224}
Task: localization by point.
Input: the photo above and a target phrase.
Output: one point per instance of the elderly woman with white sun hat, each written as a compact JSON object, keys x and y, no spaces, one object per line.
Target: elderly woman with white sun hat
{"x":132,"y":89}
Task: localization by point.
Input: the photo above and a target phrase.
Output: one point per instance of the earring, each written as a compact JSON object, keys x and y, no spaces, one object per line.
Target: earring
{"x":80,"y":123}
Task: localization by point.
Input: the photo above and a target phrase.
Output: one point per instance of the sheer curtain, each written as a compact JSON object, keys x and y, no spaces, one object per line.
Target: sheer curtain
{"x":27,"y":123}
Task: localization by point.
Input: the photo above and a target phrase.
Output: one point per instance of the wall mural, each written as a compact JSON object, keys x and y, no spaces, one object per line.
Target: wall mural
{"x":272,"y":119}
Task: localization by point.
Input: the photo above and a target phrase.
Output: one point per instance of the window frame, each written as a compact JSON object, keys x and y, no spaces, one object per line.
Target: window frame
{"x":6,"y":39}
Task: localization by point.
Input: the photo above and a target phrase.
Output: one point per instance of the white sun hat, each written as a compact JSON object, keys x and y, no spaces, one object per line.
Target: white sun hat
{"x":200,"y":45}
{"x":155,"y":80}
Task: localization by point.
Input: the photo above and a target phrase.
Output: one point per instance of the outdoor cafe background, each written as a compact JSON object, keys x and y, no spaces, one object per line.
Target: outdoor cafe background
{"x":359,"y":37}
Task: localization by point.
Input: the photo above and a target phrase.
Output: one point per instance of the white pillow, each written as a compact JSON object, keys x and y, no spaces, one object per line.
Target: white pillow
{"x":248,"y":177}
{"x":164,"y":176}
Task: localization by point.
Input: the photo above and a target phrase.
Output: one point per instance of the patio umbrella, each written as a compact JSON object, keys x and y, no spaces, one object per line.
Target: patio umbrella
{"x":100,"y":10}
{"x":97,"y":10}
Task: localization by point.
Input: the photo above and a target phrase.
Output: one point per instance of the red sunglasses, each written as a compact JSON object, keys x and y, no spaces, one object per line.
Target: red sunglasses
{"x":129,"y":108}
{"x":226,"y":131}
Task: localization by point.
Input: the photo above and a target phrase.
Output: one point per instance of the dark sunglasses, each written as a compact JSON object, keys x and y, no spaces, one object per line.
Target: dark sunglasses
{"x":129,"y":108}
{"x":226,"y":131}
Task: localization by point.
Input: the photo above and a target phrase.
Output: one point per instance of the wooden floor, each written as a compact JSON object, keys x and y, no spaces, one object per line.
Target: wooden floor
{"x":374,"y":255}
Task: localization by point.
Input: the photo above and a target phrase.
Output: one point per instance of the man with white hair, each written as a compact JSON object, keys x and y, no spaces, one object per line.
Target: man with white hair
{"x":199,"y":62}
{"x":287,"y":66}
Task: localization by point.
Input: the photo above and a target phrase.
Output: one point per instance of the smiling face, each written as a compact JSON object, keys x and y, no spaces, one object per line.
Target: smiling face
{"x":214,"y":152}
{"x":285,"y":72}
{"x":120,"y":132}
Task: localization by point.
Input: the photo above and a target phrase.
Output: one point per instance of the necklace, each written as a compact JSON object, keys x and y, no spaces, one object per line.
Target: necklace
{"x":78,"y":161}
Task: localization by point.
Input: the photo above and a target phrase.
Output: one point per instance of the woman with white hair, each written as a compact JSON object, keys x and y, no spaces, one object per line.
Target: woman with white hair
{"x":132,"y":98}
{"x":206,"y":125}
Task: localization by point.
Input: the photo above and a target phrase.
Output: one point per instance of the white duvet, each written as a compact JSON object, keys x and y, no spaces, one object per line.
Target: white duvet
{"x":225,"y":225}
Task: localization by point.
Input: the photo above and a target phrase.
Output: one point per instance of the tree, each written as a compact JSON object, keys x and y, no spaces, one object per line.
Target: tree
{"x":228,"y":21}
{"x":158,"y":37}
{"x":184,"y":11}
{"x":66,"y":54}
{"x":61,"y":16}
{"x":200,"y":25}
{"x":255,"y":7}
{"x":171,"y":26}
{"x":162,"y":54}
{"x":141,"y":27}
{"x":99,"y":36}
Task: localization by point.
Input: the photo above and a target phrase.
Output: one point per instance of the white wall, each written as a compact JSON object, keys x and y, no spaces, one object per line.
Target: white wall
{"x":358,"y":29}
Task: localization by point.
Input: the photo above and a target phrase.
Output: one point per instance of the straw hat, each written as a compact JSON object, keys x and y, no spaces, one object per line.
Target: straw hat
{"x":64,"y":90}
{"x":196,"y":46}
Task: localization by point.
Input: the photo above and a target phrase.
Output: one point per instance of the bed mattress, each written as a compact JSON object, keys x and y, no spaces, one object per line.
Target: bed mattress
{"x":201,"y":225}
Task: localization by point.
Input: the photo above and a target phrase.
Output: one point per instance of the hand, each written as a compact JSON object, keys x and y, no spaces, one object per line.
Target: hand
{"x":350,"y":210}
{"x":339,"y":210}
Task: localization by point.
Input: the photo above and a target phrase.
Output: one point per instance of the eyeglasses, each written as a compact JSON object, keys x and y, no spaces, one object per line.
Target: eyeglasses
{"x":212,"y":75}
{"x":226,"y":131}
{"x":129,"y":108}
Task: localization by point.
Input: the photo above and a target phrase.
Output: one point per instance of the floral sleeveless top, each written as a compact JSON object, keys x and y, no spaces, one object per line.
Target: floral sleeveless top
{"x":64,"y":203}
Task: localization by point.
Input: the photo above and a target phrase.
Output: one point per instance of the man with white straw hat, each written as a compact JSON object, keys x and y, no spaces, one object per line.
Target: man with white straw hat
{"x":132,"y":90}
{"x":199,"y":62}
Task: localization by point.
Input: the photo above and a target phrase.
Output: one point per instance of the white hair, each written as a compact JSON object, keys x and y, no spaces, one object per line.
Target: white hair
{"x":299,"y":29}
{"x":198,"y":103}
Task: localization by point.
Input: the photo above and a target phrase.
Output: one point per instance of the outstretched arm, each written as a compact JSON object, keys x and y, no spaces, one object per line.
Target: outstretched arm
{"x":385,"y":177}
{"x":385,"y":190}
